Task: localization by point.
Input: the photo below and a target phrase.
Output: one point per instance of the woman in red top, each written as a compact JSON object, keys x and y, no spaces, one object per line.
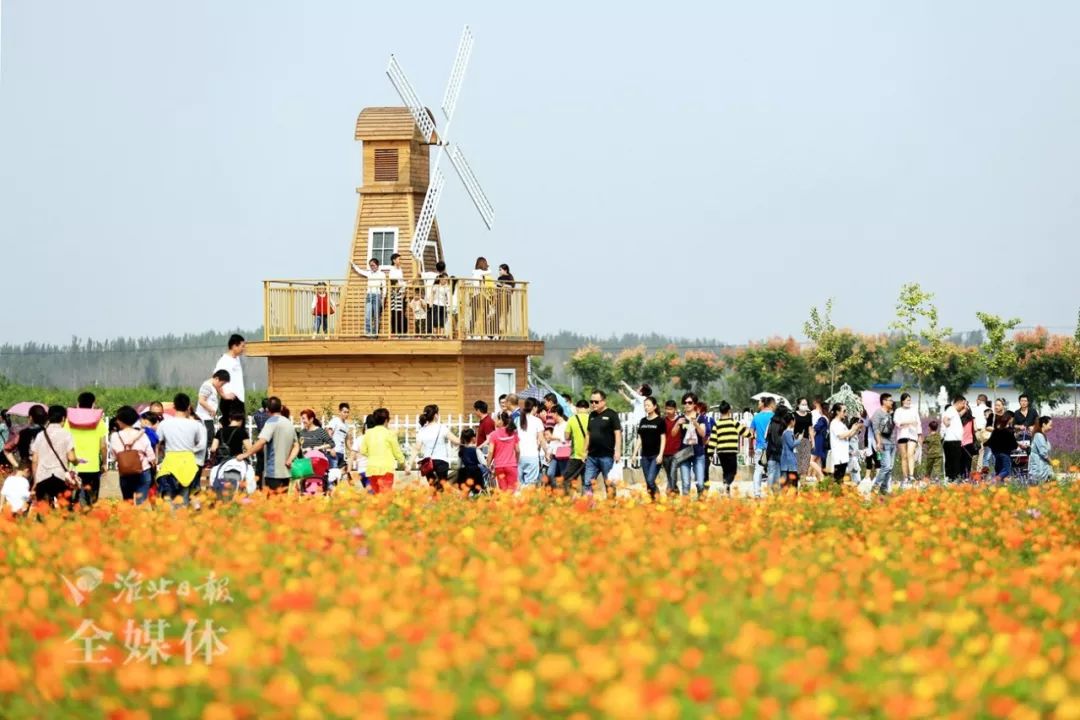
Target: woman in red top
{"x":503,"y":452}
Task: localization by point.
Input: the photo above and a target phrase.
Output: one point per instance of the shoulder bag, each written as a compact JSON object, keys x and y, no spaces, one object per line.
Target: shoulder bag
{"x":72,"y":476}
{"x":427,"y":464}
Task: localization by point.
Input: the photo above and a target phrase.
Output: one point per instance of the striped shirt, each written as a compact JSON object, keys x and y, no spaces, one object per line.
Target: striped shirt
{"x":725,"y":436}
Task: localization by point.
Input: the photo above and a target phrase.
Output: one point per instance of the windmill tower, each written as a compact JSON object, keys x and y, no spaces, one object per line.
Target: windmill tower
{"x":402,"y":185}
{"x":474,"y":345}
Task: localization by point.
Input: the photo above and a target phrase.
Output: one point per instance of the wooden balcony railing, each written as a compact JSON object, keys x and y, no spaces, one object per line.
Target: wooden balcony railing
{"x":447,"y":309}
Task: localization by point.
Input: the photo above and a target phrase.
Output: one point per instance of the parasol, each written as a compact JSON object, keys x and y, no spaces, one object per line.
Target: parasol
{"x":533,"y":392}
{"x":23,"y":409}
{"x":780,"y":399}
{"x":871,"y":401}
{"x":847,"y":397}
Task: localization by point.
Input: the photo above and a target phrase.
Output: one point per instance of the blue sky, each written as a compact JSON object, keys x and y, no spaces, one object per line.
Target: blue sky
{"x":705,"y":169}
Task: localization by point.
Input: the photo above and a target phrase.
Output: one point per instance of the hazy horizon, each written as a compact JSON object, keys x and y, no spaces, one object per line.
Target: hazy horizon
{"x":785,"y":153}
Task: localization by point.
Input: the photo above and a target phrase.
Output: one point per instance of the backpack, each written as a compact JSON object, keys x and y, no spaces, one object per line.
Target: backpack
{"x":128,"y":461}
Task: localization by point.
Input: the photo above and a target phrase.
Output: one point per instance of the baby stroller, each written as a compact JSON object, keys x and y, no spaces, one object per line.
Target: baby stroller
{"x":230,"y":476}
{"x":312,"y":472}
{"x":1019,"y":457}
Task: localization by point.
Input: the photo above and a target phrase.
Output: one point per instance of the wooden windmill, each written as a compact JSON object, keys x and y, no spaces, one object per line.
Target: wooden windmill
{"x":401,"y":185}
{"x":475,"y":344}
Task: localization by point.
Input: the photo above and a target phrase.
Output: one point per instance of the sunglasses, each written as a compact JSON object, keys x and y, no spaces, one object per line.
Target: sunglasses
{"x":594,"y":402}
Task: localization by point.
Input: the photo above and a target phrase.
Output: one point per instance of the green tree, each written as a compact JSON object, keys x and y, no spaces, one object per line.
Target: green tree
{"x":659,"y":367}
{"x":998,"y":352}
{"x":960,"y":369}
{"x":630,"y":365}
{"x":593,"y":367}
{"x":825,"y":353}
{"x":540,"y":368}
{"x":922,"y":349}
{"x":774,"y":366}
{"x":862,"y":362}
{"x":1045,"y":364}
{"x":697,"y":369}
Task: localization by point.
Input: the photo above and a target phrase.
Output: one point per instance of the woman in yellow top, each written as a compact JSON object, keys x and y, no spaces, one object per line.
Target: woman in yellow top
{"x":383,"y":452}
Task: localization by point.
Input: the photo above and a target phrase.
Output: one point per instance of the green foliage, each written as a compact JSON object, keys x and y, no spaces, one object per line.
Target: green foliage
{"x":862,"y":362}
{"x":922,"y":348}
{"x":826,"y":352}
{"x":960,"y":369}
{"x":109,"y":399}
{"x":659,"y":367}
{"x":774,"y":366}
{"x":998,"y":352}
{"x":540,"y":369}
{"x":1045,"y":363}
{"x":697,"y":369}
{"x":593,"y":367}
{"x":630,"y":366}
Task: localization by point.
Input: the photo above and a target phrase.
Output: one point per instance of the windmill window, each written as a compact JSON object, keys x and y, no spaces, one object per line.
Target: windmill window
{"x":383,"y":244}
{"x":386,"y":165}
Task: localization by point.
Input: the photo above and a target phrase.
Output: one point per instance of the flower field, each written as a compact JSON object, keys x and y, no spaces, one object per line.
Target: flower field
{"x":958,"y":602}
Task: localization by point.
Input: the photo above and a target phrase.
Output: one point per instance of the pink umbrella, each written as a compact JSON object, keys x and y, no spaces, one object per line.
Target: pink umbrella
{"x":871,"y":402}
{"x":23,"y":409}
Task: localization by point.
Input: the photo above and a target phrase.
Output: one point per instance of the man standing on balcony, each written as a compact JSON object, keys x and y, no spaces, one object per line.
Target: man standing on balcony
{"x":232,"y":392}
{"x":376,"y":288}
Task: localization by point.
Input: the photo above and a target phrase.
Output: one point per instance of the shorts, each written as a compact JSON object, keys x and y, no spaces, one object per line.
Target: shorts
{"x":901,"y":441}
{"x":381,"y":483}
{"x":276,"y":484}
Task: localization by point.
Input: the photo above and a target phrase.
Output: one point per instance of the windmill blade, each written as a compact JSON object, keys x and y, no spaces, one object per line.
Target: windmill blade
{"x":468,"y":178}
{"x":408,"y":96}
{"x":427,"y":214}
{"x":457,"y":74}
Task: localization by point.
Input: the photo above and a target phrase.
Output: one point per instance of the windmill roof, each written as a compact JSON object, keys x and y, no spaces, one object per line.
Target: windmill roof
{"x":387,"y":123}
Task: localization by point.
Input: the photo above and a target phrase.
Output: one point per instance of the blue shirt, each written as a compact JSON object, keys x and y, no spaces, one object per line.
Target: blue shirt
{"x":760,"y":426}
{"x":788,"y":461}
{"x":709,"y":423}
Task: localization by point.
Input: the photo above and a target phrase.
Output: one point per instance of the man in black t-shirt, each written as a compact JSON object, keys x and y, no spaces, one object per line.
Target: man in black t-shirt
{"x":605,"y":440}
{"x":1026,"y":415}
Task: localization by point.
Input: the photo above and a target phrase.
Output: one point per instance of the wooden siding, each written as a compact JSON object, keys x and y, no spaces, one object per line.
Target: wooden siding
{"x":366,"y":347}
{"x":479,"y":376}
{"x":404,"y":385}
{"x":386,"y":123}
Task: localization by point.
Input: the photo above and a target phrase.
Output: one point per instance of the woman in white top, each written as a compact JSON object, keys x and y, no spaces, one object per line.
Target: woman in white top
{"x":908,"y":433}
{"x":128,"y":437}
{"x":530,"y":433}
{"x":433,"y":440}
{"x":839,"y":434}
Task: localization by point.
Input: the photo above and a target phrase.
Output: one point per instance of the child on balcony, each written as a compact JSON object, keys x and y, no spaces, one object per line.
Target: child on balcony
{"x":322,"y":307}
{"x":418,"y":310}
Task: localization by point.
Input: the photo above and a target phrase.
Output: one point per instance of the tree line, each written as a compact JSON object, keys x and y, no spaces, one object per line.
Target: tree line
{"x":918,"y":353}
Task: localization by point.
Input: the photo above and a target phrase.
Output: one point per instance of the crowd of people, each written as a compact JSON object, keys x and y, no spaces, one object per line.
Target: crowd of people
{"x":868,"y":450}
{"x":202,"y":444}
{"x":425,"y":308}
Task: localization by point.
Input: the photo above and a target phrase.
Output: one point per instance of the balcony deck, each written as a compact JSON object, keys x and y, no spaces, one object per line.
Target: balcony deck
{"x":452,"y":316}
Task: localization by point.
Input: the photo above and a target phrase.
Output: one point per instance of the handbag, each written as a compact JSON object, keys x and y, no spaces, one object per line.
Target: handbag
{"x":128,"y":461}
{"x":301,"y":468}
{"x":427,"y":464}
{"x":683,"y":455}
